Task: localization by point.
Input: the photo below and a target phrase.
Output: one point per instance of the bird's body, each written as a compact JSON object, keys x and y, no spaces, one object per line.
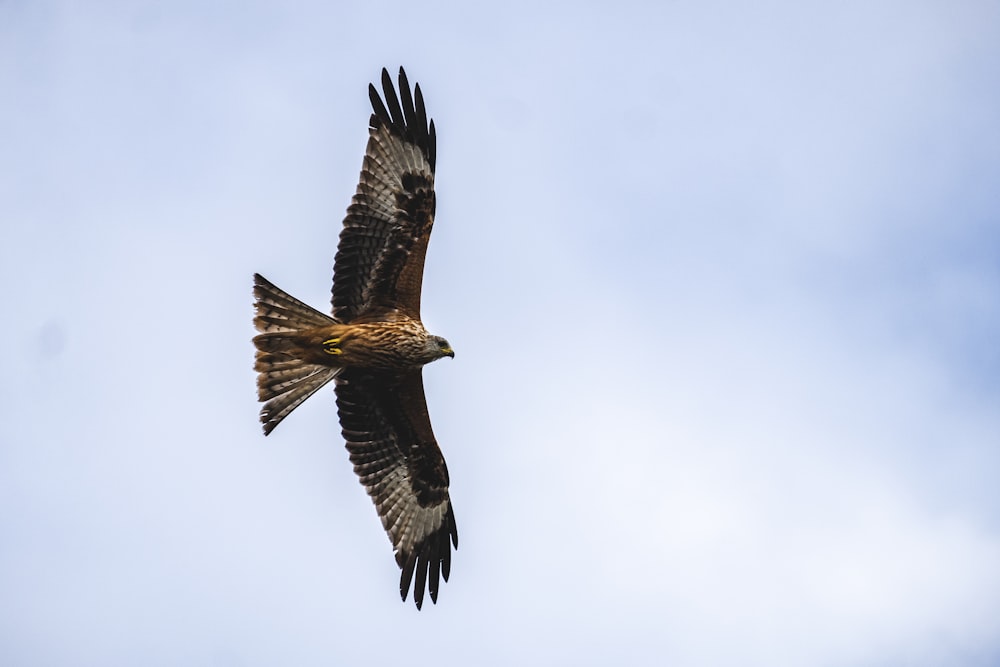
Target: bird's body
{"x":396,"y":344}
{"x":374,"y":344}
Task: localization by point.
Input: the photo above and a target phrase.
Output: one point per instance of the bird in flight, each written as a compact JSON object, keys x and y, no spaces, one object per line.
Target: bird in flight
{"x":374,"y":345}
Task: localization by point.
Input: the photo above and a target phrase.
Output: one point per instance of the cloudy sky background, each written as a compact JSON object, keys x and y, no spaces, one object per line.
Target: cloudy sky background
{"x":724,"y":286}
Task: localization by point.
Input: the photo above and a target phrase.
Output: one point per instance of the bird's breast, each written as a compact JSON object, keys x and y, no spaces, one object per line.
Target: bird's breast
{"x":382,"y":345}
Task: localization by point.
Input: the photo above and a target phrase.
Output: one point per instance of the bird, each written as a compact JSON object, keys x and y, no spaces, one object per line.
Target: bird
{"x":373,"y":345}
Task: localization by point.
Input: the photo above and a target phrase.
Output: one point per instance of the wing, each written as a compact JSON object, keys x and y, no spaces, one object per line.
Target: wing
{"x":380,"y":259}
{"x":388,"y":433}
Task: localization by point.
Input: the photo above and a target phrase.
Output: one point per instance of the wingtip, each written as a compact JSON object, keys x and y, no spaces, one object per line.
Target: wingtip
{"x":418,"y":598}
{"x":409,"y":119}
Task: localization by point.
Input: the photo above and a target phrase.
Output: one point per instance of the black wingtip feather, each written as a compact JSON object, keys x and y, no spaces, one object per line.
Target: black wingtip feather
{"x":454,"y":525}
{"x":404,"y":114}
{"x":435,"y":572}
{"x":380,"y":116}
{"x":421,"y":116}
{"x":432,"y":146}
{"x":430,"y":561}
{"x":409,"y":113}
{"x":420,"y":585}
{"x":391,"y":101}
{"x":406,"y":576}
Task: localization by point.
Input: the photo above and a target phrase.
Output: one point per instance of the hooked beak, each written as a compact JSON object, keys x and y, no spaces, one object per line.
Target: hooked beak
{"x":448,"y":352}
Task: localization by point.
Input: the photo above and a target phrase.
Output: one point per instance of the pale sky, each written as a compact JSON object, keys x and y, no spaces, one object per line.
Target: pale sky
{"x":723,"y":281}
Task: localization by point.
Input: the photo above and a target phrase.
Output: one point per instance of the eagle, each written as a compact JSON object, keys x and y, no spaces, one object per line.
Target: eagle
{"x":373,"y":345}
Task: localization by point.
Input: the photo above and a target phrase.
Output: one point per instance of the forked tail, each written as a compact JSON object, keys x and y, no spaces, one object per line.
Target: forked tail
{"x":284,"y":380}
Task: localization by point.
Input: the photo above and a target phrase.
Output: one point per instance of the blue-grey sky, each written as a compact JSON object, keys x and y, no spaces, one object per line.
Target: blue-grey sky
{"x":723,"y":280}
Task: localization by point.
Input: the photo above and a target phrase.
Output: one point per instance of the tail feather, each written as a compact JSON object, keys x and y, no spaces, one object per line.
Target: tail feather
{"x":296,"y":391}
{"x":280,"y":311}
{"x":276,"y":346}
{"x":284,"y":380}
{"x":277,"y":381}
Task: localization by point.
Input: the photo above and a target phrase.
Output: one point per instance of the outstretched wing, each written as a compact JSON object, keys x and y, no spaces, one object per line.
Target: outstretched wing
{"x":388,"y":433}
{"x":380,"y":259}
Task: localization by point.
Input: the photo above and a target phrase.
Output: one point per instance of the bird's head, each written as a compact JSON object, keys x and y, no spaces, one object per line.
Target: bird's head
{"x":439,"y":347}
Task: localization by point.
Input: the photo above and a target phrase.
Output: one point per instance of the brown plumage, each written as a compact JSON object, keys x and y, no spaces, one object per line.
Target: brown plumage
{"x":374,"y":345}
